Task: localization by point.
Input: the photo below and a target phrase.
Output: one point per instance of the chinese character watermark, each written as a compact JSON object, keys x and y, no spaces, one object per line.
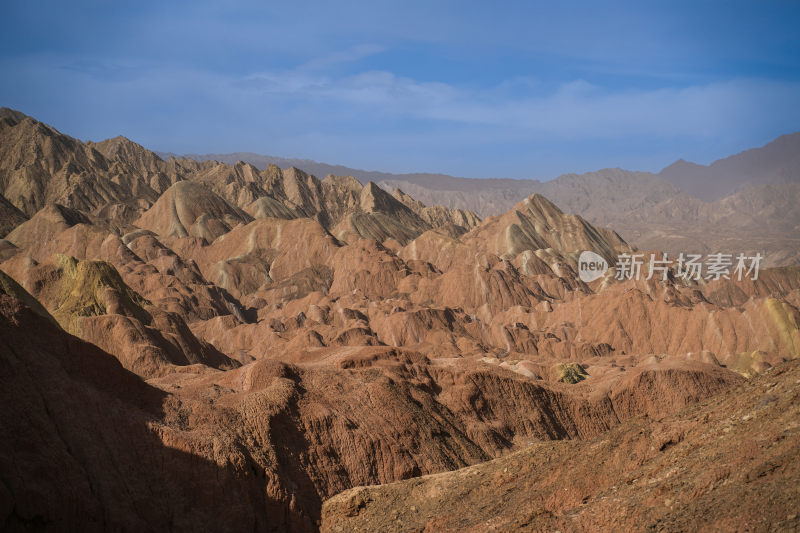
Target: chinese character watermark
{"x":689,"y":266}
{"x":633,"y":266}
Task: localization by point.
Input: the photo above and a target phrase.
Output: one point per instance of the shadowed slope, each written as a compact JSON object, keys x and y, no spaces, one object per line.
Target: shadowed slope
{"x":10,"y":217}
{"x":91,"y":450}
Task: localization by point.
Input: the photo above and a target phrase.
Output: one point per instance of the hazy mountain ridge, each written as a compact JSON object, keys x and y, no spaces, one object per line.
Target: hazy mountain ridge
{"x":432,"y":180}
{"x":728,"y":206}
{"x":774,"y":163}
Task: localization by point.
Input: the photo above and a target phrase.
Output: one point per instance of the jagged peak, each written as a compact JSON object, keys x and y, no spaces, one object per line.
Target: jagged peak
{"x":244,"y":164}
{"x":31,"y":128}
{"x":12,"y":115}
{"x":347,"y":182}
{"x":296,"y":172}
{"x":120,"y":147}
{"x":680,"y":164}
{"x":539,"y":203}
{"x":114,"y":142}
{"x":404,"y":196}
{"x":373,"y":198}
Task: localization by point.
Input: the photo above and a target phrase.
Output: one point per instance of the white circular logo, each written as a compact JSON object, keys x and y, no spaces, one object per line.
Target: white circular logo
{"x":591,"y":266}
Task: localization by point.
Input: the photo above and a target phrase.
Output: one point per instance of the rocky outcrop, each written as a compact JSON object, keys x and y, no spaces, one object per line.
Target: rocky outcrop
{"x":537,"y":224}
{"x":90,"y":300}
{"x":188,"y":209}
{"x":39,"y":165}
{"x":453,"y":222}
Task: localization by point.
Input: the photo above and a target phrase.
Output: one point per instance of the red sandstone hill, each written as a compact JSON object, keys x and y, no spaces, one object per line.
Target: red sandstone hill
{"x":677,"y":473}
{"x":270,"y":440}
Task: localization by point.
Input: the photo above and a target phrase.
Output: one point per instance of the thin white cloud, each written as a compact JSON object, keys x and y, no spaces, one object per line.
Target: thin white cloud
{"x":351,"y":55}
{"x":572,"y":110}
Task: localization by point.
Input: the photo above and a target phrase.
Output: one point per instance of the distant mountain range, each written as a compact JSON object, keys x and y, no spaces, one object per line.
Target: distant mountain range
{"x":748,"y":202}
{"x":430,"y":180}
{"x":775,"y":163}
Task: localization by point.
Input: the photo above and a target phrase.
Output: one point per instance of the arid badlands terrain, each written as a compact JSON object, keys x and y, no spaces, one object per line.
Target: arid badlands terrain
{"x":194,"y":346}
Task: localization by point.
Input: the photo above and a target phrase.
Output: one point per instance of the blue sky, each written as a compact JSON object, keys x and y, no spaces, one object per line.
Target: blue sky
{"x":479,"y":89}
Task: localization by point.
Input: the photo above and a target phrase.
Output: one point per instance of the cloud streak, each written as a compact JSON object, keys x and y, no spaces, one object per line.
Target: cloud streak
{"x":572,"y":110}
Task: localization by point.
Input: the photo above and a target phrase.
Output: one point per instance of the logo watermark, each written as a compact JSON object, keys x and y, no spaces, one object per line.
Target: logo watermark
{"x":591,"y":266}
{"x":695,"y":267}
